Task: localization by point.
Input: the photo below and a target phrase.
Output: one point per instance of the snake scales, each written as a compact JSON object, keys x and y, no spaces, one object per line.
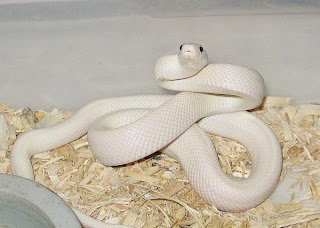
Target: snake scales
{"x":213,"y":99}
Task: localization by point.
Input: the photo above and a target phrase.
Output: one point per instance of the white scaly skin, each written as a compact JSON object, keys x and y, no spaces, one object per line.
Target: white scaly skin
{"x":125,"y":129}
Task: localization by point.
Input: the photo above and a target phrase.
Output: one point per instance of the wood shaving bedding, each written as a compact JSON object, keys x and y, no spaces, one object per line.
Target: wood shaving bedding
{"x":154,"y":192}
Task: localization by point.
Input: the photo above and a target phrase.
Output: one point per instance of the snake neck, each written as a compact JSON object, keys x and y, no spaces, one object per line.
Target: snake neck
{"x":169,"y":68}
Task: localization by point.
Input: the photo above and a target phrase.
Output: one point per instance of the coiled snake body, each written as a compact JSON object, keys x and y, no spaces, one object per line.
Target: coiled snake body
{"x":214,"y":100}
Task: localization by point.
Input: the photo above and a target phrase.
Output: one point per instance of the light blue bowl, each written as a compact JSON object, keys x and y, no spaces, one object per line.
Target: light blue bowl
{"x":27,"y":204}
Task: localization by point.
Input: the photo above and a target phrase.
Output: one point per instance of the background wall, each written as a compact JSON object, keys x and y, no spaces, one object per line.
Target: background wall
{"x":64,"y":54}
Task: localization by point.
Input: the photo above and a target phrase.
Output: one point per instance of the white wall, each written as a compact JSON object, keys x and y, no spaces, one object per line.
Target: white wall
{"x":62,"y":60}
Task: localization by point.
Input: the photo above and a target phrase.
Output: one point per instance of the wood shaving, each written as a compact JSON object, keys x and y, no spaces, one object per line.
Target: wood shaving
{"x":3,"y":133}
{"x":154,"y":192}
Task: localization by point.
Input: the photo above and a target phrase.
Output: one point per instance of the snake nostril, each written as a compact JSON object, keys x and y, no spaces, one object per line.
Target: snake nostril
{"x":187,"y":50}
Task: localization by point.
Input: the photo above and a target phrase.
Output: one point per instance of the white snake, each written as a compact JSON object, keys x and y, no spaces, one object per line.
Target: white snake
{"x":214,"y":100}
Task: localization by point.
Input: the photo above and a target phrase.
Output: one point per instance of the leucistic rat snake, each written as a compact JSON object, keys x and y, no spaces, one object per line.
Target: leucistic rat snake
{"x":213,"y":99}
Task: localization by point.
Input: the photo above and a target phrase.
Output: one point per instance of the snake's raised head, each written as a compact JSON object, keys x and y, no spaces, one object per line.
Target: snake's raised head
{"x":190,"y":60}
{"x":192,"y":57}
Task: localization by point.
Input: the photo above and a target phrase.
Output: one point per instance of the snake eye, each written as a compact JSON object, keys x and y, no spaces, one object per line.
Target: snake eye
{"x":201,"y":48}
{"x":180,"y":47}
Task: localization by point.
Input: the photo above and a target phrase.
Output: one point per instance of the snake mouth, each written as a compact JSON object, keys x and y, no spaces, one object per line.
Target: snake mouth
{"x":188,"y":55}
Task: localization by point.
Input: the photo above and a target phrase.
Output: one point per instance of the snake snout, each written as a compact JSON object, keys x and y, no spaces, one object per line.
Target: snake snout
{"x":188,"y":51}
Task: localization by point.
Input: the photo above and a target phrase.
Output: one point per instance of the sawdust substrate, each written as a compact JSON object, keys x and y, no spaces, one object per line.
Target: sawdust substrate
{"x":154,"y":192}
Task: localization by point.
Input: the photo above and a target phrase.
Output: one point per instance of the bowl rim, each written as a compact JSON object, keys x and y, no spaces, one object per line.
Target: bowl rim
{"x":47,"y":201}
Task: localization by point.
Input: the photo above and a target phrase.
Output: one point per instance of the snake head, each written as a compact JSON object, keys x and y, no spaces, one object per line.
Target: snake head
{"x":192,"y":57}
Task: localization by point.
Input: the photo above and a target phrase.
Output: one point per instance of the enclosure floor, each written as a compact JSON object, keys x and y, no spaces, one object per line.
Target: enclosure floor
{"x":155,"y":192}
